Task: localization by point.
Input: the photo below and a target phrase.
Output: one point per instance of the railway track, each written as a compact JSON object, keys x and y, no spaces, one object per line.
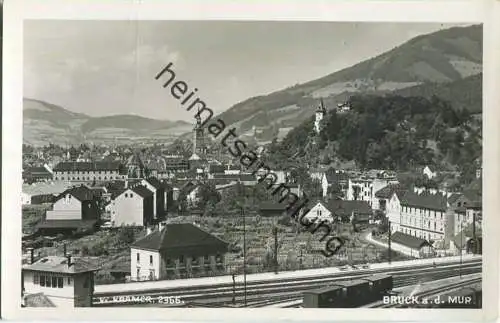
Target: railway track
{"x":261,"y":294}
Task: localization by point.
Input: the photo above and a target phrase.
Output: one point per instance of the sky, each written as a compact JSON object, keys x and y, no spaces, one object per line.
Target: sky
{"x":108,"y":67}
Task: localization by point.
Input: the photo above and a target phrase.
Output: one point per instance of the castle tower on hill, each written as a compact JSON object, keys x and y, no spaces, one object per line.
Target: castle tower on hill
{"x":320,"y":115}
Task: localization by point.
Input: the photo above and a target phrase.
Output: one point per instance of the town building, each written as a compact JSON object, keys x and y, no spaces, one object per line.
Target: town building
{"x":427,"y":171}
{"x":363,"y":188}
{"x":411,"y":245}
{"x":89,"y":171}
{"x":340,"y":211}
{"x":74,"y":209}
{"x":334,"y":181}
{"x":133,"y":207}
{"x":176,"y":251}
{"x":158,"y":189}
{"x":39,"y":192}
{"x":56,"y":281}
{"x":419,"y":215}
{"x":135,"y":166}
{"x":384,"y":195}
{"x":37,"y":174}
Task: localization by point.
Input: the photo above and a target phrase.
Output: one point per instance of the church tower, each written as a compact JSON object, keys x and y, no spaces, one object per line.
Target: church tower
{"x":320,"y":115}
{"x":198,"y":138}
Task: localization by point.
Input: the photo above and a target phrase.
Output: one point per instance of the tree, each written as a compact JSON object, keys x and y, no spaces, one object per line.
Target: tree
{"x":126,"y":235}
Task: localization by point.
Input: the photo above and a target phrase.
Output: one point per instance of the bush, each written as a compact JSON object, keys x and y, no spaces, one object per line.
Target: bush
{"x":85,"y":251}
{"x":126,"y":235}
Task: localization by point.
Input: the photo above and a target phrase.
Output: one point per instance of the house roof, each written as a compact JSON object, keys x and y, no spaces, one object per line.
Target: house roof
{"x":341,"y":207}
{"x":142,"y":191}
{"x":87,"y":166}
{"x":454,"y":197}
{"x":272,"y":206}
{"x":37,"y":300}
{"x":82,"y":193}
{"x":425,"y":200}
{"x":135,"y":159}
{"x":180,"y":236}
{"x":45,"y":188}
{"x":214,"y":168}
{"x":154,"y":182}
{"x":247,"y":177}
{"x":58,"y":264}
{"x":387,"y":191}
{"x":408,"y":240}
{"x":37,"y":171}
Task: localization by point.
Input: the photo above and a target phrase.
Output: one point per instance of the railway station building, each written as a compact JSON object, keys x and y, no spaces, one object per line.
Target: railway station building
{"x":177,"y":251}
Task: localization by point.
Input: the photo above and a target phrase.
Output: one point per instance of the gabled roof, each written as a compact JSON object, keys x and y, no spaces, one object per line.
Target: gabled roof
{"x":425,"y":200}
{"x":408,"y":240}
{"x":142,"y":191}
{"x":180,"y":237}
{"x":59,"y":264}
{"x":341,"y":207}
{"x":387,"y":191}
{"x":87,"y":166}
{"x":154,"y":182}
{"x":81,"y":193}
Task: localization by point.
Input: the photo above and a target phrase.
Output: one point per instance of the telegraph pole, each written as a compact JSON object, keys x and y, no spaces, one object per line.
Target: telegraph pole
{"x":244,"y":255}
{"x":275,"y":233}
{"x":461,"y":247}
{"x":234,"y":289}
{"x":389,"y":242}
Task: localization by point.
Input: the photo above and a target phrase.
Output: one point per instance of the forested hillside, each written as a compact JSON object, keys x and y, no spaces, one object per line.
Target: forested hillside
{"x":387,"y":132}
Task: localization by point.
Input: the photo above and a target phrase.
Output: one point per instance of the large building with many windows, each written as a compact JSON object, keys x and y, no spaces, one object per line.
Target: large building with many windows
{"x":89,"y":171}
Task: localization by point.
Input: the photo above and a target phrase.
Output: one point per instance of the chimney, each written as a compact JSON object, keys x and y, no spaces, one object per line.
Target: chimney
{"x":69,"y":260}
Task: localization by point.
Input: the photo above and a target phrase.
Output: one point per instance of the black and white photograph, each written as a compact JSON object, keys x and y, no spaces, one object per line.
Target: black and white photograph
{"x":271,"y":164}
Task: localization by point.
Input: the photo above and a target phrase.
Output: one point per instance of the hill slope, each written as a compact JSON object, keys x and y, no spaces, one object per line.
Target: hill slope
{"x":45,"y":123}
{"x":438,"y":58}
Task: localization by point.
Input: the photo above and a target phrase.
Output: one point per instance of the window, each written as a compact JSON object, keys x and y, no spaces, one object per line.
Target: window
{"x":54,"y":281}
{"x":181,"y":259}
{"x":42,"y":281}
{"x":150,"y":260}
{"x":69,"y":280}
{"x":48,"y":281}
{"x":126,"y":195}
{"x":131,"y":195}
{"x":138,"y":257}
{"x":36,"y":279}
